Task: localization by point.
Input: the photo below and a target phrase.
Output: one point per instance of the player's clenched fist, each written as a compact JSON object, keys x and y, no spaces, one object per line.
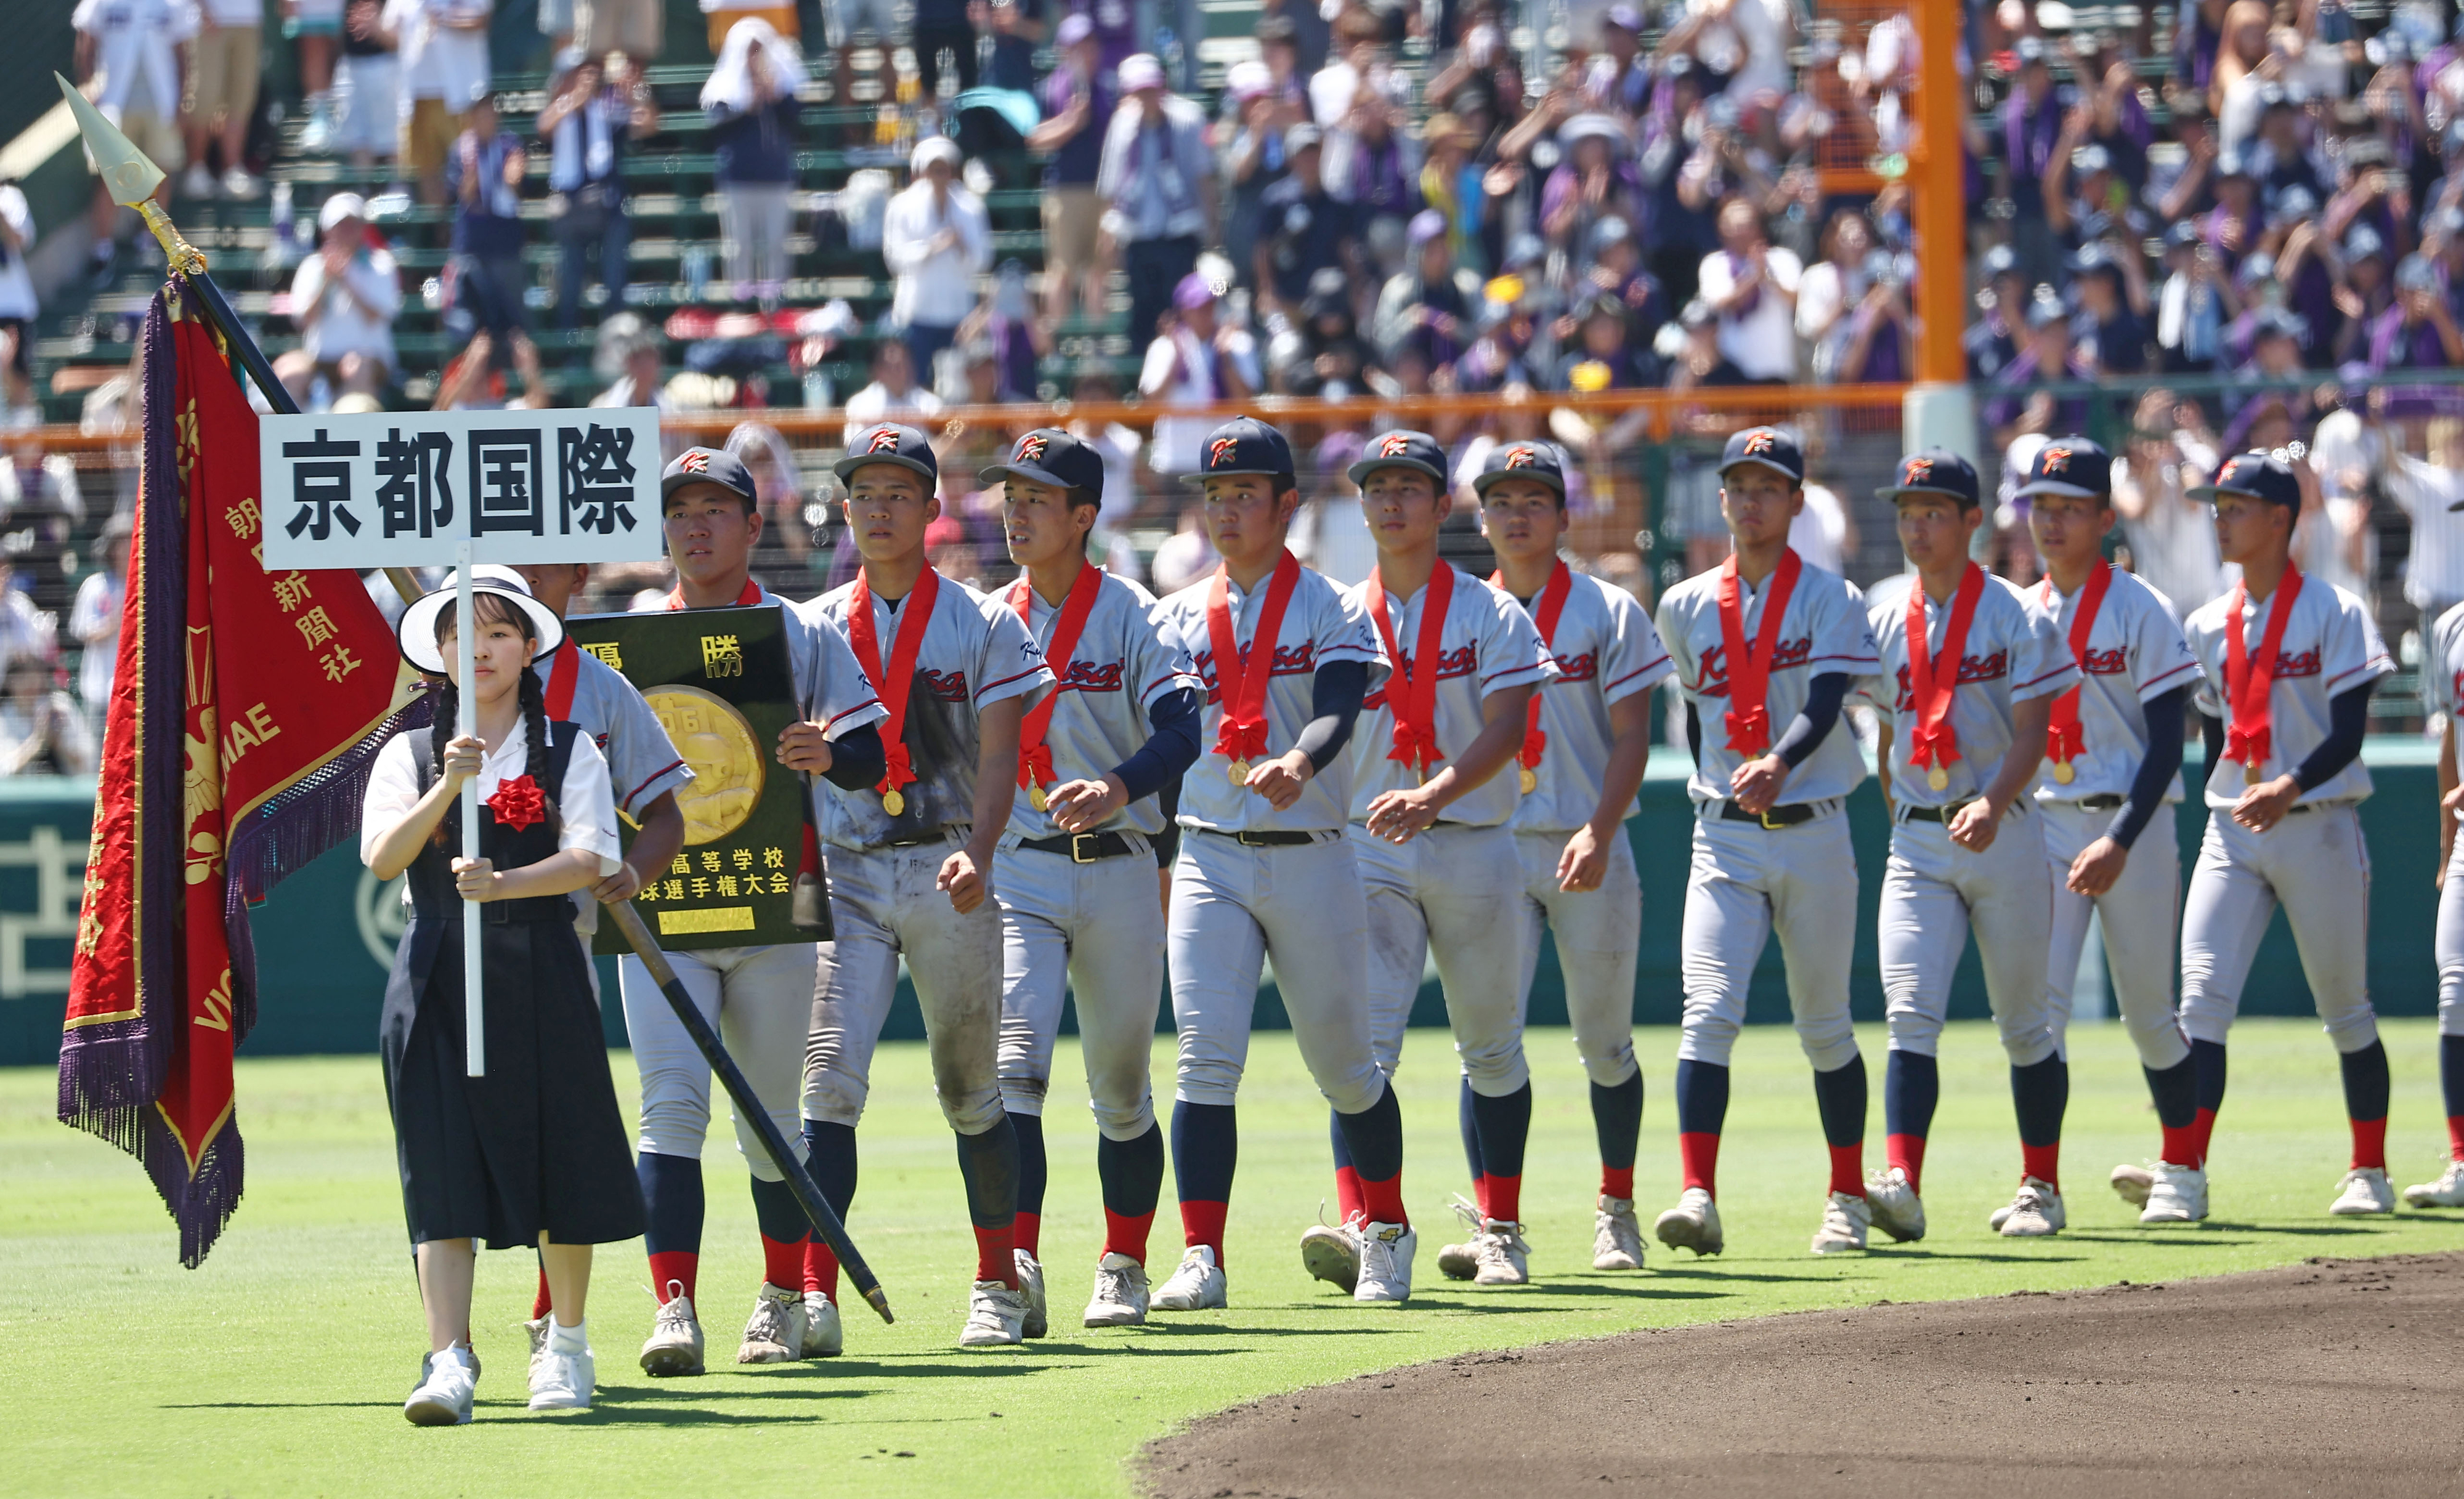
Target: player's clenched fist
{"x":963,"y":881}
{"x":1973,"y":826}
{"x":1280,"y":780}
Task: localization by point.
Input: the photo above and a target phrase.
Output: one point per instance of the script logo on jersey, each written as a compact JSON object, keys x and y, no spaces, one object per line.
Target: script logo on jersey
{"x":695,"y":462}
{"x":950,"y":687}
{"x":1086,"y":677}
{"x":884,"y":439}
{"x":1521,"y":457}
{"x":1219,"y":451}
{"x":2104,"y":663}
{"x":1578,"y":669}
{"x":1917,"y":471}
{"x":1289,"y":661}
{"x":1394,"y":447}
{"x":1030,"y":449}
{"x":1785,"y":653}
{"x":1757,"y":445}
{"x":1971,"y":669}
{"x":2306,"y":664}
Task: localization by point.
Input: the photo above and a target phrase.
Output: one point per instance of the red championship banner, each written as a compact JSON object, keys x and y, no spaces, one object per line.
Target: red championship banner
{"x":245,"y":711}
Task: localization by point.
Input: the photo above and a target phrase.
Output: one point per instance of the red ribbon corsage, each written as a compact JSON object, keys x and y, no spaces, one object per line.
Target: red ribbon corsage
{"x":518,"y":803}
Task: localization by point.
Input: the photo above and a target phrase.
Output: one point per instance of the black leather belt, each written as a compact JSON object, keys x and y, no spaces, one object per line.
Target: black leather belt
{"x":1264,"y":840}
{"x":2102,"y":801}
{"x":1083,"y":848}
{"x":1789,"y":815}
{"x":937,"y":835}
{"x":1934,"y":814}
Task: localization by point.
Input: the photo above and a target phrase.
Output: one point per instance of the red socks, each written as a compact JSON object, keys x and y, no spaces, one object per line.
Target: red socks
{"x":782,"y":1263}
{"x":1202,"y":1222}
{"x":2455,"y":1136}
{"x":2202,"y":1130}
{"x":1028,"y":1232}
{"x":1383,"y":1202}
{"x":994,"y":1259}
{"x":2181,"y":1146}
{"x":1618,"y":1181}
{"x":1699,"y":1152}
{"x":678,"y":1266}
{"x":821,"y":1267}
{"x":541,"y":1304}
{"x":1501,"y":1198}
{"x":1848,"y":1169}
{"x":2044,"y":1162}
{"x":2369,"y":1143}
{"x":1347,"y":1194}
{"x":1907,"y":1152}
{"x":1125,"y":1235}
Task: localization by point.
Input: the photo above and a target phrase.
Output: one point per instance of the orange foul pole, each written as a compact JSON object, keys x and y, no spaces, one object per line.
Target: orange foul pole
{"x":1939,"y":411}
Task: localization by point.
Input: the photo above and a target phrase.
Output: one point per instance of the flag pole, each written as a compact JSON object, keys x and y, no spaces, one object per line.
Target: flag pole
{"x":474,"y":1032}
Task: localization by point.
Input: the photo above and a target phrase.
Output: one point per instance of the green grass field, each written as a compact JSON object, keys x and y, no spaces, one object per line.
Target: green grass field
{"x":280,"y":1368}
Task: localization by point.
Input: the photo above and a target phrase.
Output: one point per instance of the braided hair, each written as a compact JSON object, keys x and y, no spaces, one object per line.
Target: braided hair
{"x":488,"y":608}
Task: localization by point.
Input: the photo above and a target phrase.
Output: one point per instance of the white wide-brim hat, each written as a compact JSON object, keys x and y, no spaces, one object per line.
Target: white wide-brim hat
{"x":416,"y":631}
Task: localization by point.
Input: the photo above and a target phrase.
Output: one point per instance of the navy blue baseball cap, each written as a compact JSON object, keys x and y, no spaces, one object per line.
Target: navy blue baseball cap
{"x":1935,"y":470}
{"x":1767,"y":446}
{"x":1401,"y":449}
{"x":2258,"y":474}
{"x":2071,"y":465}
{"x":1245,"y":445}
{"x":1049,"y":455}
{"x":889,"y":442}
{"x":1536,"y":461}
{"x":708,"y":466}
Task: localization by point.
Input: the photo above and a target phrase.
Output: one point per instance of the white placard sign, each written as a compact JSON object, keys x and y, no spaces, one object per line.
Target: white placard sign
{"x":407,"y":489}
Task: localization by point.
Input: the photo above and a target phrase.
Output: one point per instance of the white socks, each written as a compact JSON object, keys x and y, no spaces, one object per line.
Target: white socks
{"x":574,"y":1339}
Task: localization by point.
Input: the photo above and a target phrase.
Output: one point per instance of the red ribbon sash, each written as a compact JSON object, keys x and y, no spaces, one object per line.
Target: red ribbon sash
{"x":1242,"y":735}
{"x":1552,"y":603}
{"x":1413,"y":695}
{"x":2063,"y":743}
{"x":1934,"y":678}
{"x":563,"y":676}
{"x":891,"y":685}
{"x":751,"y":596}
{"x":1750,"y":666}
{"x":1034,"y":756}
{"x":2250,"y":738}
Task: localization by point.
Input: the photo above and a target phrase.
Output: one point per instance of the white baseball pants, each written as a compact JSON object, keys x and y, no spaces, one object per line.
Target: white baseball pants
{"x":759,"y":999}
{"x":2142,"y":916}
{"x":2316,"y":864}
{"x":2449,"y":945}
{"x":1747,"y":881}
{"x":1096,"y":931}
{"x":1933,"y":893}
{"x":1598,"y":934}
{"x":1443,"y":893}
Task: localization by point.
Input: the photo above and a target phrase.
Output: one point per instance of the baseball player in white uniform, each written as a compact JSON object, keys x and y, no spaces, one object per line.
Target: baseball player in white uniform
{"x":1766,"y":648}
{"x":2289,"y":663}
{"x":1586,"y":743}
{"x":2113,"y":763}
{"x":1264,"y":865}
{"x":757,"y":998}
{"x":1076,"y":873}
{"x":910,"y":856}
{"x":2442,"y":677}
{"x":1969,"y":669}
{"x":1428,"y":830}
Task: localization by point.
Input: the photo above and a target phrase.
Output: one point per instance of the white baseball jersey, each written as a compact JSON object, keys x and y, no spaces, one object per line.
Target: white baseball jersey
{"x":2442,"y":687}
{"x":2330,"y":646}
{"x":2014,"y":652}
{"x":2135,"y":653}
{"x":1485,"y":645}
{"x":2442,"y":674}
{"x":1320,"y":625}
{"x":642,"y":761}
{"x":1124,"y":659}
{"x":1606,"y":651}
{"x":1824,"y":630}
{"x":974,"y":653}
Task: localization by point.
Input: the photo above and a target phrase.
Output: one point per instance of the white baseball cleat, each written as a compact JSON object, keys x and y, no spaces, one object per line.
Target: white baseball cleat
{"x":824,"y":1336}
{"x":1693,"y":1223}
{"x":1120,"y":1298}
{"x":774,"y":1332}
{"x":1504,"y":1259}
{"x":536,"y":1330}
{"x":1196,"y":1285}
{"x":2133,"y":1184}
{"x":1462,"y":1261}
{"x":2175,"y":1195}
{"x":562,"y":1381}
{"x":2366,"y":1193}
{"x":2036,"y":1213}
{"x":1385,"y":1263}
{"x":1333,"y":1254}
{"x":996,"y":1315}
{"x":1845,"y":1218}
{"x":2448,"y":1191}
{"x":1897,"y":1209}
{"x":1616,"y":1235}
{"x":446,"y":1383}
{"x":1030,"y":1284}
{"x":676,"y":1343}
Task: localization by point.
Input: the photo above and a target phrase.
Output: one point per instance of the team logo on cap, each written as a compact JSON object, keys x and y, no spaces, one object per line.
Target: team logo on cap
{"x":2055,"y":460}
{"x":1919,"y":471}
{"x":884,"y":439}
{"x":1220,"y":450}
{"x":1521,"y":457}
{"x":1030,"y":448}
{"x":1396,"y":446}
{"x":2230,"y":473}
{"x":697,"y":461}
{"x":1757,"y":444}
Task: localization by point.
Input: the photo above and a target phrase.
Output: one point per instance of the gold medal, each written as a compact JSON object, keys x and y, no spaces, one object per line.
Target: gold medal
{"x":1937,"y":778}
{"x":726,"y":759}
{"x":2063,"y":773}
{"x":893,"y":802}
{"x":2250,"y":772}
{"x":1240,"y":772}
{"x":1529,"y":778}
{"x":1035,"y":798}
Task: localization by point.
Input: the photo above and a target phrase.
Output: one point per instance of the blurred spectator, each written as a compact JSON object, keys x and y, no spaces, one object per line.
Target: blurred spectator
{"x":1300,"y":29}
{"x":317,"y":27}
{"x":2429,"y":493}
{"x":1832,"y":285}
{"x":1431,"y":304}
{"x":1374,"y":166}
{"x":1595,"y":181}
{"x":2362,"y":296}
{"x":938,"y":25}
{"x":893,"y":392}
{"x":344,"y":299}
{"x":935,"y":238}
{"x":778,"y":479}
{"x":2196,"y":303}
{"x":94,"y":618}
{"x":41,"y":731}
{"x":129,"y":56}
{"x":484,"y":176}
{"x":1323,"y":355}
{"x":1079,"y":100}
{"x":750,"y":101}
{"x":2032,"y":133}
{"x":367,"y":85}
{"x":1823,"y":533}
{"x":1616,"y":268}
{"x":1157,"y":182}
{"x":19,"y":306}
{"x":1016,"y":29}
{"x":627,"y":356}
{"x":636,"y":28}
{"x":592,"y":114}
{"x":1993,"y":340}
{"x":2110,"y":330}
{"x":1253,"y":161}
{"x":1751,"y":285}
{"x":1878,"y":340}
{"x":2049,"y":357}
{"x":1196,"y":360}
{"x":1185,"y":556}
{"x":443,"y":48}
{"x":2173,"y":537}
{"x":221,"y":93}
{"x":1329,"y":532}
{"x":40,"y":506}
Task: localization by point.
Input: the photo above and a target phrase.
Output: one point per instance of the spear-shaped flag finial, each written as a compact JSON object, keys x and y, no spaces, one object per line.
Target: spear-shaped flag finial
{"x":130,"y":176}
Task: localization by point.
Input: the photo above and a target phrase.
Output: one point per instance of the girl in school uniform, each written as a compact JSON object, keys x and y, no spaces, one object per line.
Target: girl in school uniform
{"x":533,"y":1153}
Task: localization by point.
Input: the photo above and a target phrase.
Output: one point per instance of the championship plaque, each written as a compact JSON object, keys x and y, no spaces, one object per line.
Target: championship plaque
{"x":719,"y":682}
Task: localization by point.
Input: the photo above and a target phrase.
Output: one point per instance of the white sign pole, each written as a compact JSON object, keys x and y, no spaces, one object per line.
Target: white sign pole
{"x":474,"y":1034}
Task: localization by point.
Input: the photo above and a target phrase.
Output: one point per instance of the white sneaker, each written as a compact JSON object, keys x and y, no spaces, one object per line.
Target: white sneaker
{"x":1504,"y":1259}
{"x":774,"y":1332}
{"x":1693,"y":1223}
{"x":995,"y":1315}
{"x":2036,"y":1213}
{"x":1616,"y":1236}
{"x":317,"y":136}
{"x":1845,"y":1218}
{"x":1120,"y":1298}
{"x":562,"y":1381}
{"x":676,"y":1343}
{"x":242,"y":184}
{"x":2448,"y":1191}
{"x":1196,"y":1285}
{"x":197,"y":183}
{"x":446,"y":1383}
{"x":1030,"y":1284}
{"x":2175,"y":1195}
{"x":1385,"y":1263}
{"x":2366,"y":1193}
{"x":1333,"y":1254}
{"x":536,"y":1330}
{"x":2133,"y":1184}
{"x":1897,"y":1209}
{"x":824,"y":1337}
{"x":1462,"y":1261}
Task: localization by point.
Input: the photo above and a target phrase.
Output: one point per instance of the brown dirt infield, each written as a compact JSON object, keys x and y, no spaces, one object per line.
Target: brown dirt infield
{"x":2335,"y":1377}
